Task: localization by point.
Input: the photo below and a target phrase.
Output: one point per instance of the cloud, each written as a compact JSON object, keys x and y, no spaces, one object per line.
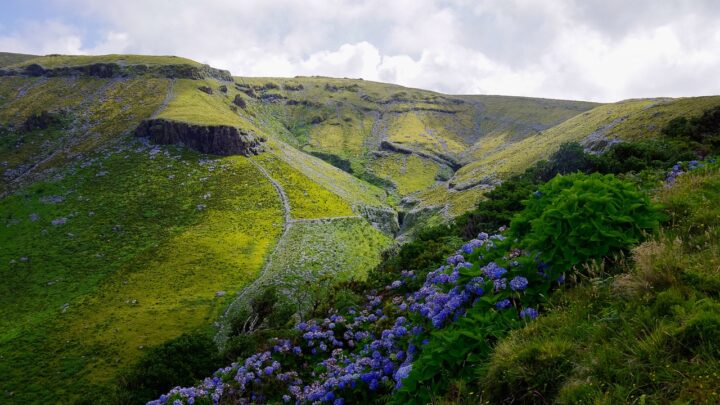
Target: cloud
{"x":596,"y":50}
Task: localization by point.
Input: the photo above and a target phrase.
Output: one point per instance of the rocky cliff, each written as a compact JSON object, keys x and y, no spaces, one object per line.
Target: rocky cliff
{"x":215,"y":139}
{"x":112,"y":70}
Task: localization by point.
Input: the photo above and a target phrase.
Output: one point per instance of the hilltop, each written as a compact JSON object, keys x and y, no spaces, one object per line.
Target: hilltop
{"x":149,"y":196}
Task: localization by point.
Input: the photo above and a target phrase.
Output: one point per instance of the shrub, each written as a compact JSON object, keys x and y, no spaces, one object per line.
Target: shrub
{"x":180,"y":361}
{"x":577,"y":217}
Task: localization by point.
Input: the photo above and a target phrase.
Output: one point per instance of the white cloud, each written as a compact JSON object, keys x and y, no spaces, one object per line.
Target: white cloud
{"x":600,"y":50}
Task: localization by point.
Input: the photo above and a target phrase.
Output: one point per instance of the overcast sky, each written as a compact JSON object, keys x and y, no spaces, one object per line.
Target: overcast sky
{"x":602,"y":50}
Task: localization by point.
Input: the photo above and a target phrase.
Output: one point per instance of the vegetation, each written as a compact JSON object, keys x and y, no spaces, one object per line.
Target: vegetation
{"x":122,"y":257}
{"x":108,"y":269}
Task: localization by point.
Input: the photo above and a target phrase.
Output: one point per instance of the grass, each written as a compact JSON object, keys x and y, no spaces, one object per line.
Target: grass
{"x":7,"y":58}
{"x":191,"y":105}
{"x":632,"y":119}
{"x":342,"y":248}
{"x":98,"y":112}
{"x":645,"y":336}
{"x":132,"y":266}
{"x":410,"y":173}
{"x":340,"y":183}
{"x":307,"y":199}
{"x":56,"y":61}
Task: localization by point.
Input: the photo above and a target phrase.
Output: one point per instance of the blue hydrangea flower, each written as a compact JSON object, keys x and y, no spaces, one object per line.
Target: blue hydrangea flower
{"x":518,"y":283}
{"x":529,"y":313}
{"x":503,"y":304}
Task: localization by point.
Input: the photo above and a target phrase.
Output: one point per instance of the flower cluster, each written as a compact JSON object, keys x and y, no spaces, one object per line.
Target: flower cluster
{"x":368,"y":348}
{"x":677,"y":170}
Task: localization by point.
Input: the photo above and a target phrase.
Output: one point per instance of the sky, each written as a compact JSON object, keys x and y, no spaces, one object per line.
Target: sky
{"x":598,"y":50}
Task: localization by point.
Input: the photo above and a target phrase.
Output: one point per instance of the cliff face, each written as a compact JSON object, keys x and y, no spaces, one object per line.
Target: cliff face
{"x":216,"y":139}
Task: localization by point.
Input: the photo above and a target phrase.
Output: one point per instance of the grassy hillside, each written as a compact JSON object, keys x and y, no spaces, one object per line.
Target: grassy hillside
{"x":7,"y":58}
{"x":113,"y":246}
{"x":603,"y":125}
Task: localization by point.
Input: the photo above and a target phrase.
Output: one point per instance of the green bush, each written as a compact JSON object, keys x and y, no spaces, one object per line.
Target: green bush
{"x":180,"y":361}
{"x":578,"y":217}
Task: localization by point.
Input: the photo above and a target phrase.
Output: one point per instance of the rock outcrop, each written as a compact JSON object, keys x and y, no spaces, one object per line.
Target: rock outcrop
{"x":114,"y":70}
{"x":221,"y":140}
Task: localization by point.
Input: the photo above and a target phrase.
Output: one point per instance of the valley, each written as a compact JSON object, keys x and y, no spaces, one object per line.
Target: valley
{"x":144,"y":198}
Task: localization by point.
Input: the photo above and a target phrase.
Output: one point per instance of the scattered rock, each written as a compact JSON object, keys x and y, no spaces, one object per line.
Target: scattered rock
{"x":220,"y":293}
{"x":223,"y":88}
{"x":101,"y":174}
{"x":239,"y":101}
{"x":64,"y":308}
{"x":206,"y":89}
{"x":201,"y":207}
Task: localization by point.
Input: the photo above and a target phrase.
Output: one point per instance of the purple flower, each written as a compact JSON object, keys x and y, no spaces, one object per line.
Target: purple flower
{"x":503,"y":304}
{"x":529,"y":313}
{"x":493,"y":271}
{"x":518,"y":283}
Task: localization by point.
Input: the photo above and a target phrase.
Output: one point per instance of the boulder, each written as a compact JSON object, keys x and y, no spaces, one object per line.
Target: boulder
{"x":239,"y":101}
{"x":206,"y":89}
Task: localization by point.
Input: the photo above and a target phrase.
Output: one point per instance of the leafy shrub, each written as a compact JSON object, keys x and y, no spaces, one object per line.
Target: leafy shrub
{"x":182,"y":360}
{"x":703,"y":130}
{"x":577,"y":217}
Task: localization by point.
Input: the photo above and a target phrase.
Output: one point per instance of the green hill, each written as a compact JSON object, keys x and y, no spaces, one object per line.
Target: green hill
{"x":7,"y":58}
{"x":113,"y":244}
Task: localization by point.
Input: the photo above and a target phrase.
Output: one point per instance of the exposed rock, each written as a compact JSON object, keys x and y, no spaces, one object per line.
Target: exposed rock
{"x":113,"y":70}
{"x":42,"y":120}
{"x":223,"y":88}
{"x":383,"y":219}
{"x":206,"y":89}
{"x":271,"y":97}
{"x":215,"y":139}
{"x":290,"y":87}
{"x":220,"y":293}
{"x":239,"y":101}
{"x":444,"y":160}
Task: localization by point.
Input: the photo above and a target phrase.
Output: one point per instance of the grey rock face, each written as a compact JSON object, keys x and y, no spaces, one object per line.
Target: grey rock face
{"x":221,"y":140}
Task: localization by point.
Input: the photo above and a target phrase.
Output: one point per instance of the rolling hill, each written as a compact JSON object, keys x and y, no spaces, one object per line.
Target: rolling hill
{"x":144,"y":197}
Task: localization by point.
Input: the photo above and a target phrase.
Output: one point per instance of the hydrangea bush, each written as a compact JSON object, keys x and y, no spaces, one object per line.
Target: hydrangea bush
{"x":404,"y":341}
{"x":369,"y":351}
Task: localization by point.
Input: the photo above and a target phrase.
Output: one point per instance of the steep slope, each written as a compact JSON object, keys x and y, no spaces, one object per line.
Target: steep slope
{"x":112,"y":245}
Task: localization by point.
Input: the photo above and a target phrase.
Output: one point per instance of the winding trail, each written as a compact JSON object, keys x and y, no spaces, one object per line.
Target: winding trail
{"x":166,"y":101}
{"x":222,"y":333}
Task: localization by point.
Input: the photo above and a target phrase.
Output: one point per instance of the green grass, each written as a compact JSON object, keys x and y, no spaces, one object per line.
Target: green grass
{"x":645,"y":336}
{"x":56,"y":61}
{"x":410,"y":173}
{"x":191,"y":105}
{"x":343,"y":249}
{"x":7,"y":58}
{"x":137,"y":265}
{"x":632,"y":119}
{"x":307,"y":199}
{"x":98,"y":112}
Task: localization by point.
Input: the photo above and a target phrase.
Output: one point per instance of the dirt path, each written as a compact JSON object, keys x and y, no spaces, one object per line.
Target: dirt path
{"x":288,"y":222}
{"x":167,"y":99}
